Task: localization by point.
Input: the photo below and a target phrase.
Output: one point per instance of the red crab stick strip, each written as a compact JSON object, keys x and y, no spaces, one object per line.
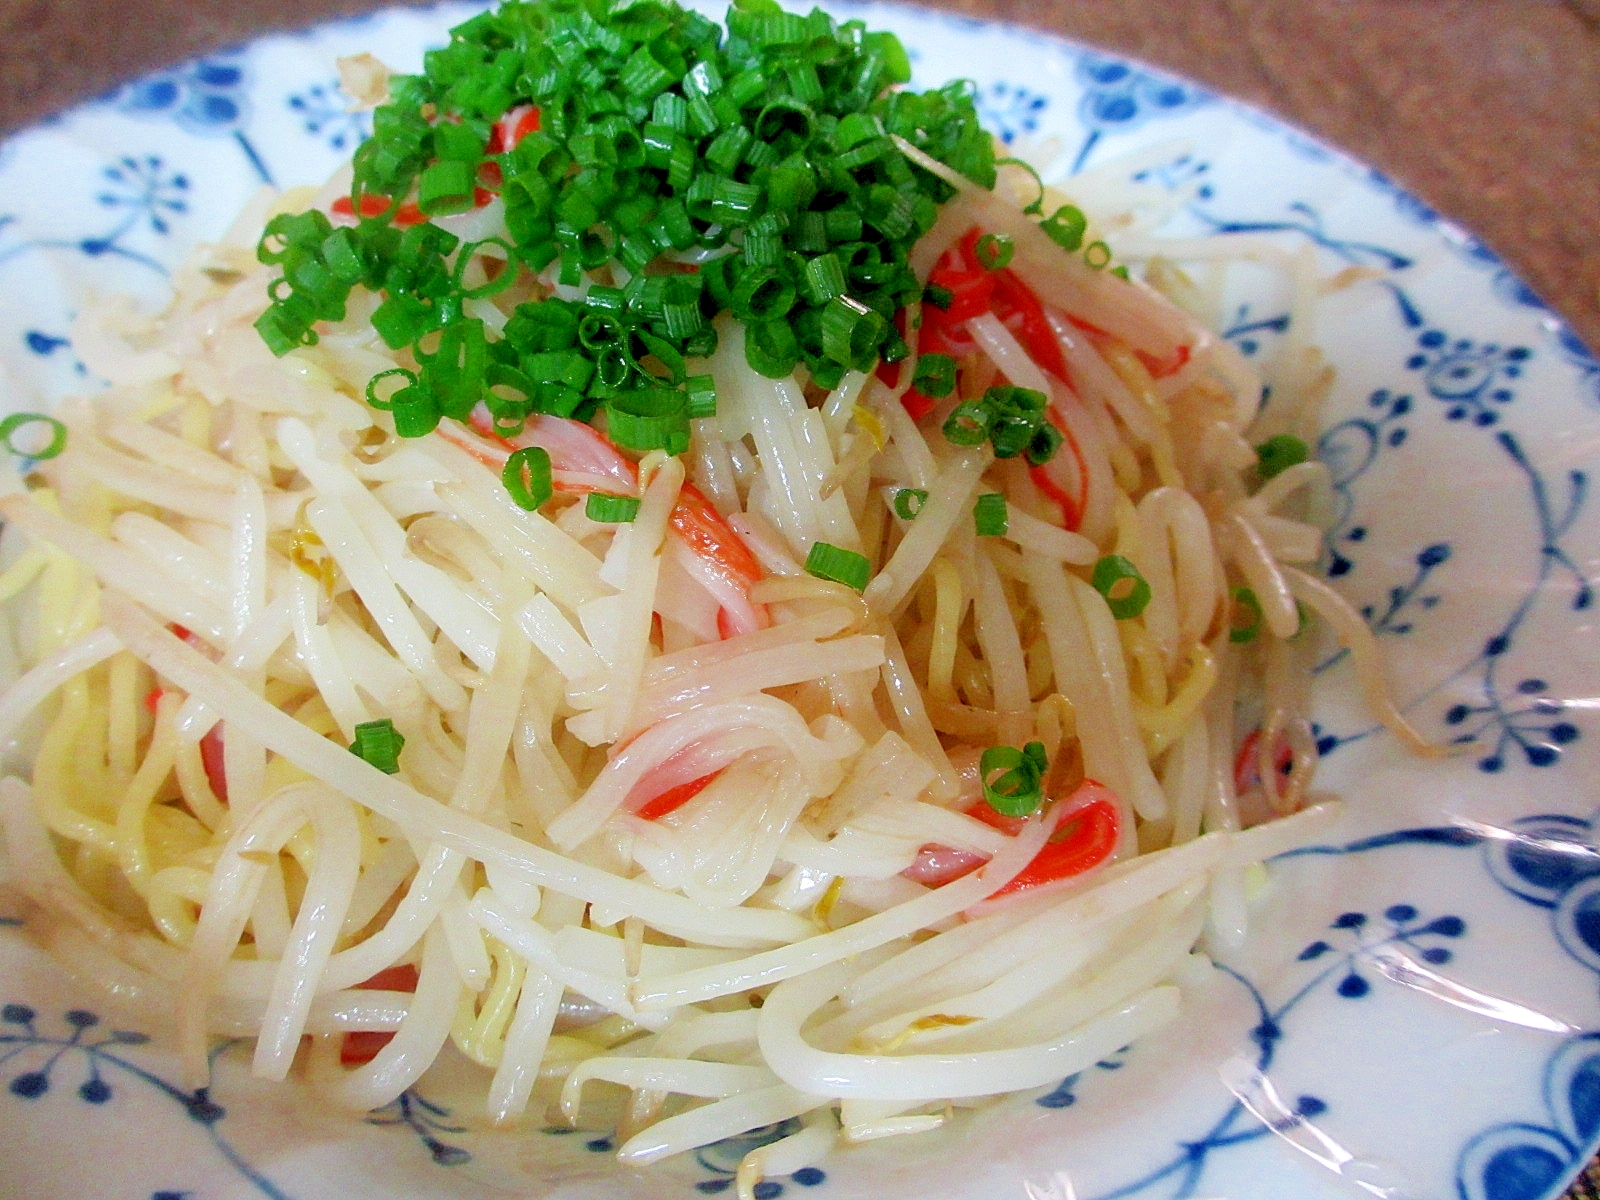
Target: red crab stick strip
{"x":1087,"y":824}
{"x":506,"y":133}
{"x":583,"y":461}
{"x":510,"y":129}
{"x":361,"y":1047}
{"x":1124,"y":308}
{"x":1148,"y":323}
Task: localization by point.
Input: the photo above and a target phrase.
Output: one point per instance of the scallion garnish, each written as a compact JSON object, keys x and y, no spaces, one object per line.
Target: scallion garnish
{"x":968,"y":424}
{"x":1018,"y":789}
{"x":19,"y":421}
{"x":989,"y":515}
{"x":384,"y":403}
{"x":1097,"y":255}
{"x":994,"y":251}
{"x":908,"y":503}
{"x":654,"y":132}
{"x":1118,"y":580}
{"x":1066,"y":227}
{"x":610,"y":509}
{"x":379,"y":744}
{"x":834,"y":563}
{"x":649,"y":419}
{"x":1244,"y":621}
{"x":1046,"y":441}
{"x":851,"y":332}
{"x":1278,"y":454}
{"x":527,"y":477}
{"x":1013,"y":419}
{"x":936,"y":375}
{"x":1035,"y":206}
{"x":702,"y":396}
{"x":1018,"y":414}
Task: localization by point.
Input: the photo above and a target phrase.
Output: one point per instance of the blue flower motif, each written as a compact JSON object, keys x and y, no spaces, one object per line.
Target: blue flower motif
{"x":40,"y":1059}
{"x":209,"y":97}
{"x":1405,"y":928}
{"x":148,"y":192}
{"x":323,"y":111}
{"x":1010,"y":109}
{"x":1523,"y":1159}
{"x":1530,"y":726}
{"x":206,"y":96}
{"x":1468,"y":377}
{"x":427,"y":1120}
{"x":1349,"y":450}
{"x":1246,"y":330}
{"x":722,"y":1160}
{"x":1063,"y":1095}
{"x":1184,"y":170}
{"x":1118,"y":97}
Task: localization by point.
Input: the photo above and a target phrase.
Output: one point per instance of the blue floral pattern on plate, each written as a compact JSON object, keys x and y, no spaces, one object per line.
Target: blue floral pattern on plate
{"x":1451,"y":374}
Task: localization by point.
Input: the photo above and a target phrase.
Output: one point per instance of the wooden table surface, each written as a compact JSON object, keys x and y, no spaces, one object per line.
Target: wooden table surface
{"x":1487,"y":109}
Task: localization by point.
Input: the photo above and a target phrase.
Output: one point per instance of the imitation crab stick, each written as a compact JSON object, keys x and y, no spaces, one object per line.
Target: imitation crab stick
{"x":1087,"y":822}
{"x":582,"y":460}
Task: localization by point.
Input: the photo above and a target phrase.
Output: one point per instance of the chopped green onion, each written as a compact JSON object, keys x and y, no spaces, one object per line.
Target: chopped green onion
{"x":771,"y":348}
{"x":824,"y":277}
{"x":1066,"y":227}
{"x":761,"y":296}
{"x":827,"y":561}
{"x":990,"y":515}
{"x":1245,"y":619}
{"x":968,"y":425}
{"x":1018,"y":791}
{"x":1118,"y":580}
{"x":702,"y":396}
{"x":1012,"y":433}
{"x":994,"y":251}
{"x":1017,"y":400}
{"x":1097,"y":255}
{"x":936,"y":375}
{"x":658,"y":134}
{"x":387,"y":403}
{"x":446,"y":187}
{"x":1013,"y":419}
{"x":18,"y":421}
{"x":1046,"y":441}
{"x":610,"y":509}
{"x":938,"y":296}
{"x":908,"y":503}
{"x":379,"y":743}
{"x":527,"y":477}
{"x":415,"y":412}
{"x":649,"y":419}
{"x":1037,"y":206}
{"x":850,"y":331}
{"x":1278,"y":454}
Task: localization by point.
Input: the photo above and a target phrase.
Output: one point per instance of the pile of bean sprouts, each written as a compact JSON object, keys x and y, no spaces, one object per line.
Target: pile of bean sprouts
{"x":236,"y":562}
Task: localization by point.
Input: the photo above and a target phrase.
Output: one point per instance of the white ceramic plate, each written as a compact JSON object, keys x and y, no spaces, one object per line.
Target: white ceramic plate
{"x":1410,"y":1018}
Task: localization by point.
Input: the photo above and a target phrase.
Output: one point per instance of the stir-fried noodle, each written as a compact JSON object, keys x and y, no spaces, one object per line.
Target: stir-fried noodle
{"x":671,"y":813}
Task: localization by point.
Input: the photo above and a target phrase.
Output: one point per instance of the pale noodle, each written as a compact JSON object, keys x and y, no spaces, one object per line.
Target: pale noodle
{"x":638,"y":783}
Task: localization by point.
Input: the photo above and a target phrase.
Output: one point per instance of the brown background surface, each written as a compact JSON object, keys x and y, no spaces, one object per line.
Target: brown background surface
{"x":1487,"y":109}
